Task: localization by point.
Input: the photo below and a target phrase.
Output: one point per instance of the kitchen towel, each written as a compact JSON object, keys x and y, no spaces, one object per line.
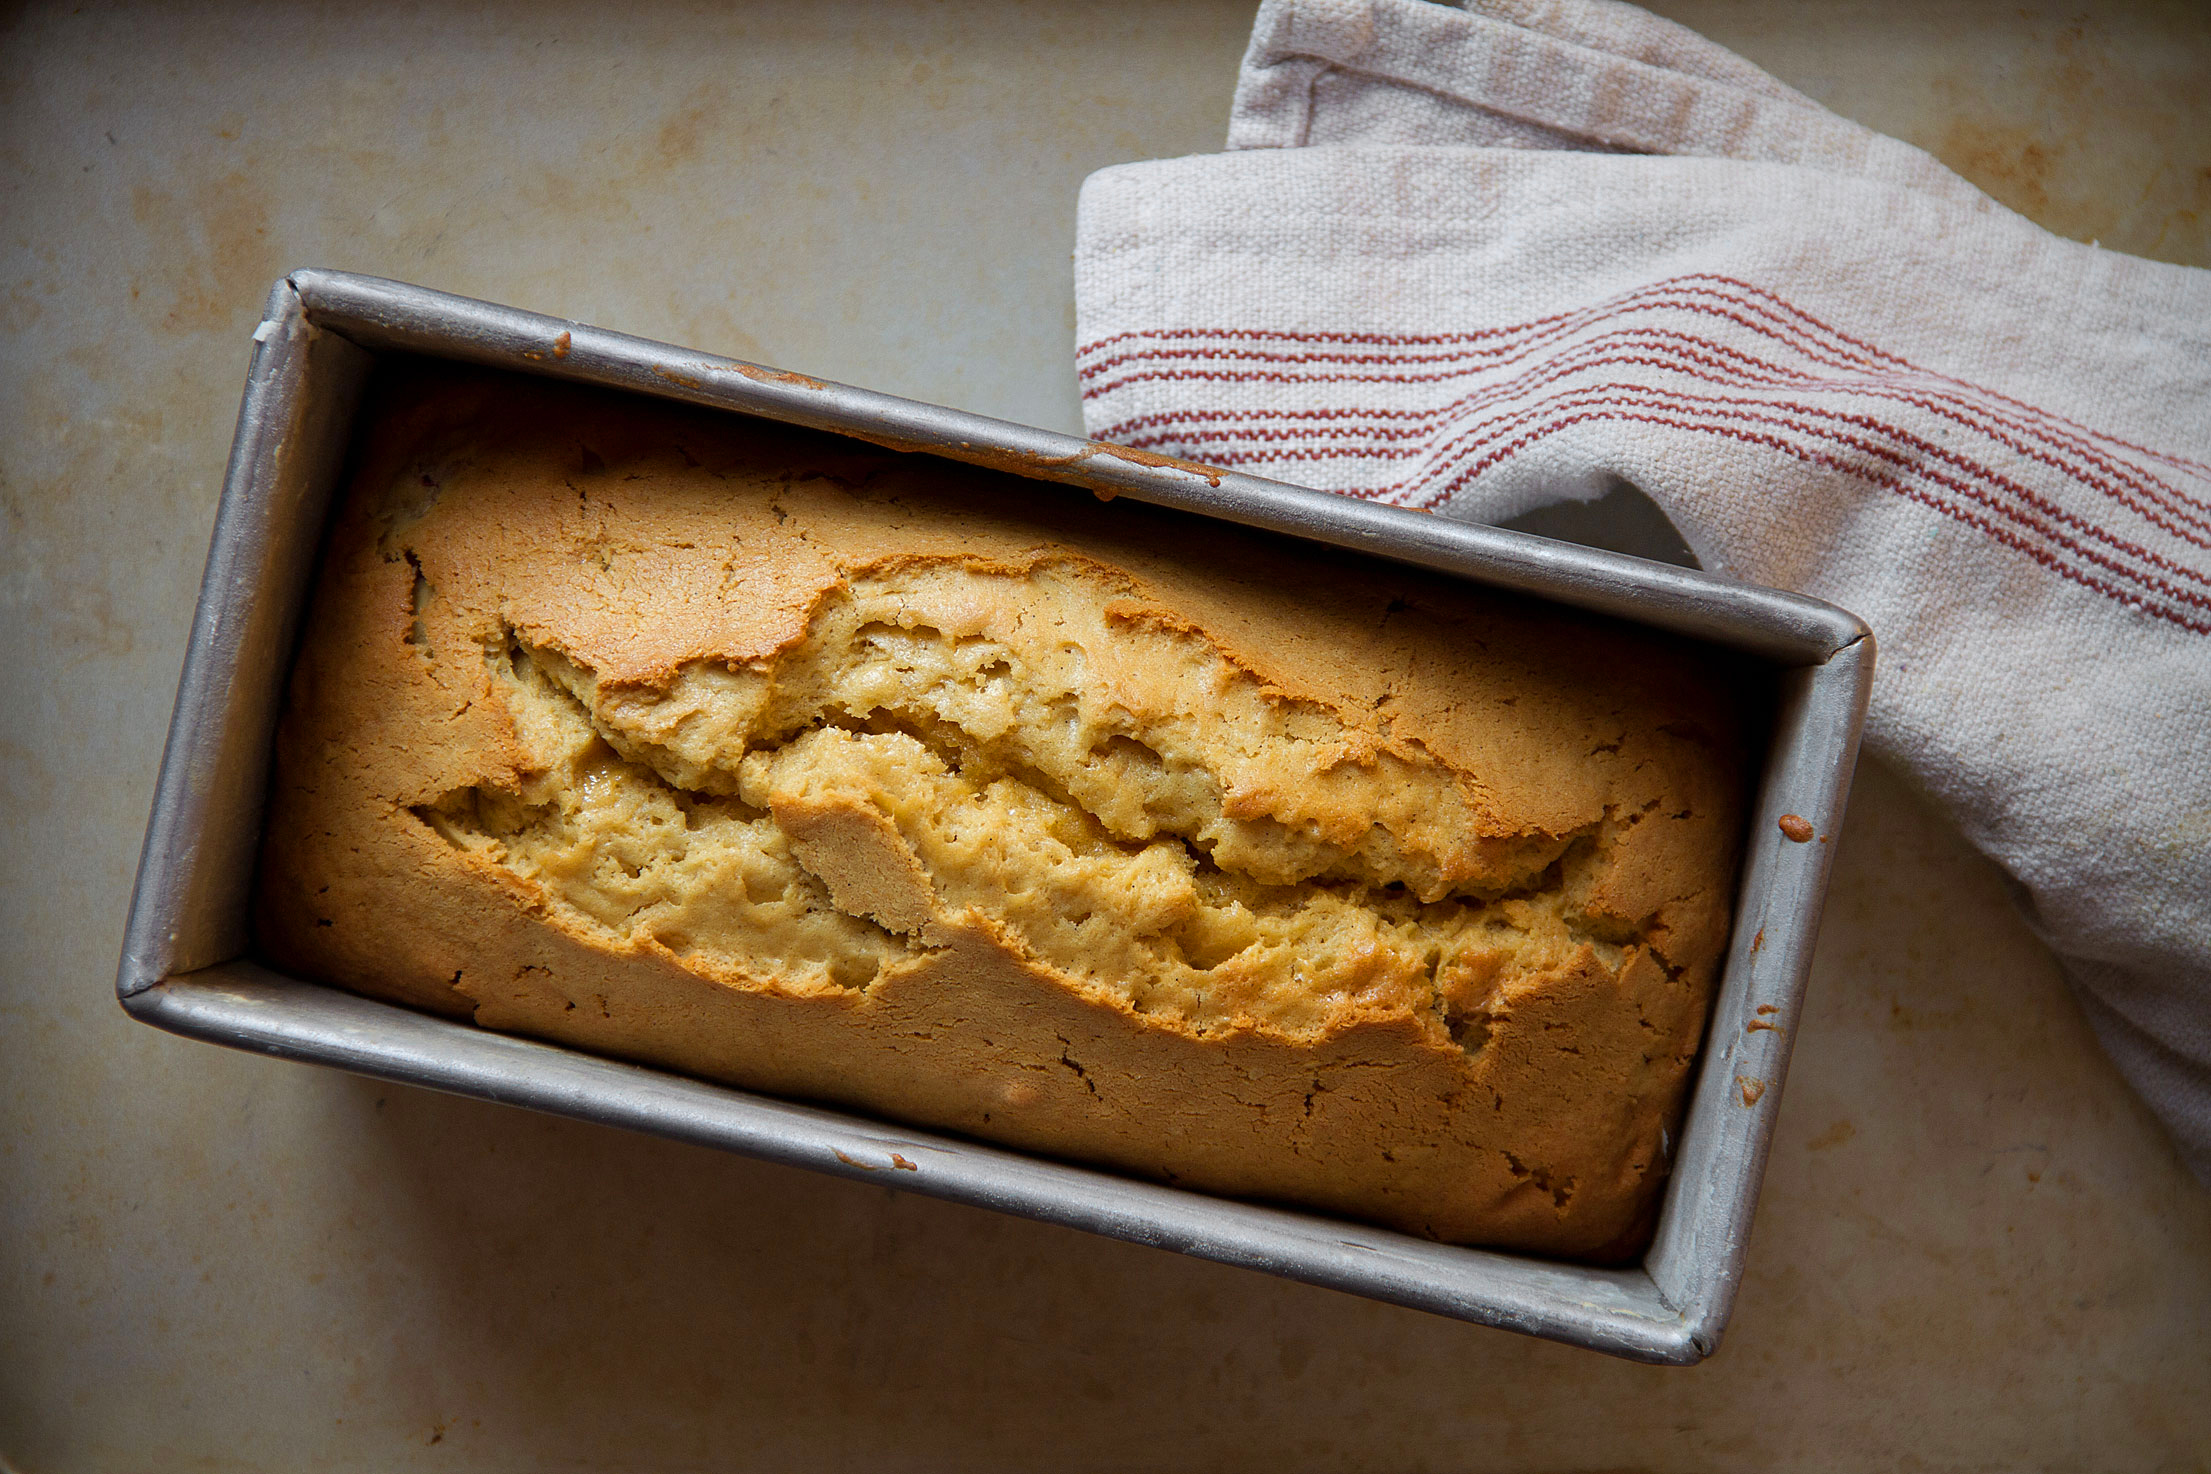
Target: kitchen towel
{"x":1476,"y":260}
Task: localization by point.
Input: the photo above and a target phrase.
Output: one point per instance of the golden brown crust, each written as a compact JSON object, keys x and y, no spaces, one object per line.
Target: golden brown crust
{"x":575,"y":716}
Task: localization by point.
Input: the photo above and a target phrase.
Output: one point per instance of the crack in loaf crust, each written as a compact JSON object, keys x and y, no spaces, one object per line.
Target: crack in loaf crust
{"x":1093,"y":830}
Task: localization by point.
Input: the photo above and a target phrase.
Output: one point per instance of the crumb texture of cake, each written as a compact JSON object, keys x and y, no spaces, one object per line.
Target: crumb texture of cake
{"x":1094,"y":830}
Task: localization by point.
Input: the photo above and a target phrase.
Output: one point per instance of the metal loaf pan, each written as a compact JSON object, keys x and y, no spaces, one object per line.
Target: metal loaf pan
{"x":187,"y":968}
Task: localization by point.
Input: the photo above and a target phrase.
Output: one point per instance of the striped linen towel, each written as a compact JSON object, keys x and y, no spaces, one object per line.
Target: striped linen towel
{"x":1479,"y":260}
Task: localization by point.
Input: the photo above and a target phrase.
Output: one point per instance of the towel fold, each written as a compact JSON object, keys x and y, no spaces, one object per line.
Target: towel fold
{"x":1481,"y":260}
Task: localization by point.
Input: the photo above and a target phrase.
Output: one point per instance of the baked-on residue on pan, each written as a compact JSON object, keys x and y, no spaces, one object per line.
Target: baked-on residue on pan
{"x":1094,"y":829}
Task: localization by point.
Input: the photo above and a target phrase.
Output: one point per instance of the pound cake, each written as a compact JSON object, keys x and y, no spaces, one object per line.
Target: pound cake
{"x":1094,"y":829}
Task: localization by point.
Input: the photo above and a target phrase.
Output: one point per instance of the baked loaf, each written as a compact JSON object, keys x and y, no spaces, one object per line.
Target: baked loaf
{"x":1093,"y":829}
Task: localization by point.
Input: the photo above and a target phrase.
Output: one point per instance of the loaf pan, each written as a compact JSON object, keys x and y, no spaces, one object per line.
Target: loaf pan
{"x":187,"y":963}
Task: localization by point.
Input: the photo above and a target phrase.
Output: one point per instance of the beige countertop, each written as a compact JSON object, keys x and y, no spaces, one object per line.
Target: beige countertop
{"x":1975,"y":1249}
